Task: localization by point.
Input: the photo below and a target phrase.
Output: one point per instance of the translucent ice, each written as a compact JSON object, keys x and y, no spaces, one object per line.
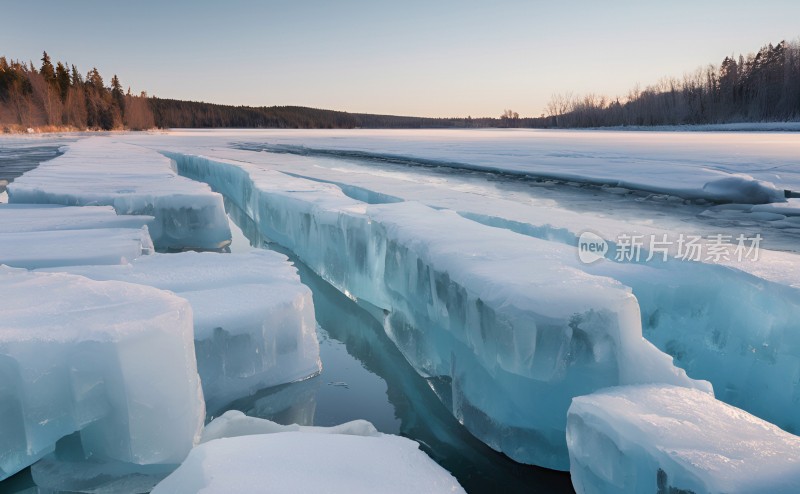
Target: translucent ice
{"x":18,"y":218}
{"x":112,"y":360}
{"x":45,"y":249}
{"x":506,"y":320}
{"x":254,"y":324}
{"x":669,"y":439}
{"x":134,"y":180}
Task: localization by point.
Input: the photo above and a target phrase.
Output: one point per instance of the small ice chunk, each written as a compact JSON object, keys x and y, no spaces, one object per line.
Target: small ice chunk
{"x":668,"y":439}
{"x":350,"y":458}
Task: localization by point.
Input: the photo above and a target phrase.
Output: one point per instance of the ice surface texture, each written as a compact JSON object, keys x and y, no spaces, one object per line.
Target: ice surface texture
{"x":134,"y":180}
{"x":718,"y":168}
{"x":507,"y":321}
{"x":669,"y":439}
{"x":112,"y":360}
{"x":254,"y":323}
{"x":256,"y":455}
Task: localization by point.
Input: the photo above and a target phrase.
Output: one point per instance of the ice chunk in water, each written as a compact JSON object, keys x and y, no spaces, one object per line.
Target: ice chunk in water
{"x":669,"y":439}
{"x":254,"y":323}
{"x":350,"y":458}
{"x":112,"y":360}
{"x":134,"y":180}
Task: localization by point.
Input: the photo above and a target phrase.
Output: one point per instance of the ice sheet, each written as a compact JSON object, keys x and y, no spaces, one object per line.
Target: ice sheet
{"x":745,"y":168}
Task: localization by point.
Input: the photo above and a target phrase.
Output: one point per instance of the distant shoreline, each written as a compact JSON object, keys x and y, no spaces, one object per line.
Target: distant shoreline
{"x":793,"y":126}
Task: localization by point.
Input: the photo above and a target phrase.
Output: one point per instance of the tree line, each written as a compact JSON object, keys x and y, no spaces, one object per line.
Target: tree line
{"x":171,"y":113}
{"x":58,"y":97}
{"x":762,"y":86}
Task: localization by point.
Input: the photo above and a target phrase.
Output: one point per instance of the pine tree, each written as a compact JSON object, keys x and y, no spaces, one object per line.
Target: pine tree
{"x":47,"y":70}
{"x":62,"y":80}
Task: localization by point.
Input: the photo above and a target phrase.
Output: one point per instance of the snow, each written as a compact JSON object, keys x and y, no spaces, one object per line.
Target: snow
{"x":464,"y":302}
{"x":254,"y":324}
{"x":45,"y":249}
{"x":134,"y":180}
{"x":670,"y":439}
{"x":735,"y":167}
{"x":351,"y":458}
{"x":234,"y":423}
{"x":112,"y":360}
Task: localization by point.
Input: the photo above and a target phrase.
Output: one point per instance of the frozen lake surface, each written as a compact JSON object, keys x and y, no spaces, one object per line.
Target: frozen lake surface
{"x":370,"y":219}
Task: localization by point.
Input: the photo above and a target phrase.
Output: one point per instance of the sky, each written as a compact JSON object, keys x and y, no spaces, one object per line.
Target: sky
{"x":427,"y":58}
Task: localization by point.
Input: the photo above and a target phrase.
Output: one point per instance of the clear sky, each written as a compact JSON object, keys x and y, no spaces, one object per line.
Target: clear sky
{"x":430,"y":58}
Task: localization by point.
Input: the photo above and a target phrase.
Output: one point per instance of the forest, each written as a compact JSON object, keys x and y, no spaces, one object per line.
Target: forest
{"x":58,"y":97}
{"x":759,"y":87}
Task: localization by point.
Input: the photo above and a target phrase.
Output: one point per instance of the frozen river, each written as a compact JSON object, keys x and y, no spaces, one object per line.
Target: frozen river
{"x":432,"y":253}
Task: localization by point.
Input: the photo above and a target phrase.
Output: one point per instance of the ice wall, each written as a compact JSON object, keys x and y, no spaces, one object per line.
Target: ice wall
{"x":112,"y":360}
{"x":506,"y":320}
{"x":134,"y":180}
{"x":675,"y":440}
{"x":254,"y":324}
{"x":734,"y":329}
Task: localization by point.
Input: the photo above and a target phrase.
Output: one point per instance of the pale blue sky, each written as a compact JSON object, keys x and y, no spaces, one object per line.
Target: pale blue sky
{"x":432,"y":58}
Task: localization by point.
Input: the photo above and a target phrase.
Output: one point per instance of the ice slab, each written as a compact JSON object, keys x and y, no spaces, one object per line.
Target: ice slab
{"x":45,"y":249}
{"x":670,"y":439}
{"x":507,"y":321}
{"x":18,"y":218}
{"x":134,"y":180}
{"x":112,"y":360}
{"x":352,"y":458}
{"x":728,"y":327}
{"x":254,"y":324}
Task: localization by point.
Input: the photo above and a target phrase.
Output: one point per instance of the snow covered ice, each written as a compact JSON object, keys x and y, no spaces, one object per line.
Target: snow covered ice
{"x":254,"y":324}
{"x":134,"y":180}
{"x":250,"y":455}
{"x":670,"y":439}
{"x":698,"y":166}
{"x":514,"y":350}
{"x":112,"y":360}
